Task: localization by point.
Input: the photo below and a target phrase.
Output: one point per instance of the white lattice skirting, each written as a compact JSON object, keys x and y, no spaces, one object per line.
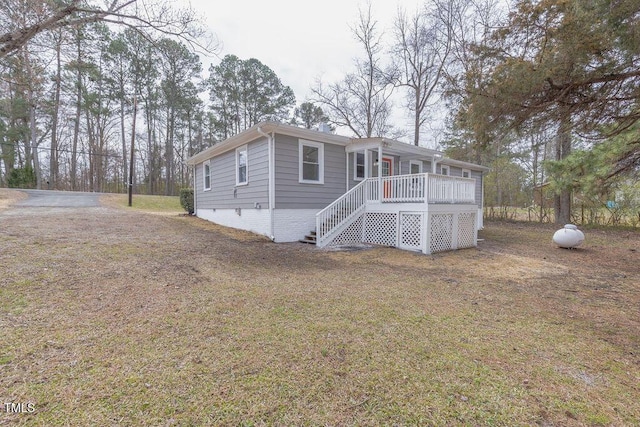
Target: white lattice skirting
{"x":381,"y":228}
{"x":411,"y":231}
{"x":407,"y":230}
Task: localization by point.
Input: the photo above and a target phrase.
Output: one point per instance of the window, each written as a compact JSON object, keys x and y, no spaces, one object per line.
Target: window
{"x":374,"y":164}
{"x":358,"y":167}
{"x":311,"y":167}
{"x":415,"y":166}
{"x":466,"y":173}
{"x":444,"y":170}
{"x":242,"y":171}
{"x":206,"y":175}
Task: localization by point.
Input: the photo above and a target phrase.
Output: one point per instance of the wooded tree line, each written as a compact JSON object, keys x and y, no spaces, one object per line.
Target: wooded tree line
{"x":68,"y":96}
{"x":543,"y":92}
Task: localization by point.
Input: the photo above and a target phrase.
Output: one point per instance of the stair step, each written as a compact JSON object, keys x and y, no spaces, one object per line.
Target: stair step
{"x":309,"y":238}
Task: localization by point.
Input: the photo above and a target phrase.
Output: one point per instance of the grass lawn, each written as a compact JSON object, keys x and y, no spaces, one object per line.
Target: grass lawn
{"x":118,"y":317}
{"x":145,"y":203}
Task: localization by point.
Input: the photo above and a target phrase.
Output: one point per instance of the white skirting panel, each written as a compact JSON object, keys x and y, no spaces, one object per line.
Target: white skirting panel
{"x":254,"y":220}
{"x":291,"y":225}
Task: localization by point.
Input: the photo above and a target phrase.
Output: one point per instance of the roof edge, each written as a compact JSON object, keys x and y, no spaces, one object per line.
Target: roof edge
{"x":254,"y":132}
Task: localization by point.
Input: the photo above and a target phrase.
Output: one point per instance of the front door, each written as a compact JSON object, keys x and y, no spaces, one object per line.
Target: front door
{"x":387,"y":166}
{"x":387,"y":170}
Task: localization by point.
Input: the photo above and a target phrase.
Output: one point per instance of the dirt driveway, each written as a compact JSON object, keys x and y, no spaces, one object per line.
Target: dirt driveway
{"x":111,"y":317}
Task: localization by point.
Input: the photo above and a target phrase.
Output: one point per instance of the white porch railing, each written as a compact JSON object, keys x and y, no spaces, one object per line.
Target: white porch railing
{"x":416,"y":188}
{"x":338,"y":213}
{"x":403,"y":188}
{"x":451,"y":189}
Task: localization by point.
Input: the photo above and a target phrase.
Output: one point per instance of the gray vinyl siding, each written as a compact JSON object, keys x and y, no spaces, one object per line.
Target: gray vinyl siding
{"x":290,"y":193}
{"x":404,"y":167}
{"x":455,"y":171}
{"x":478,"y":176}
{"x":224,"y":193}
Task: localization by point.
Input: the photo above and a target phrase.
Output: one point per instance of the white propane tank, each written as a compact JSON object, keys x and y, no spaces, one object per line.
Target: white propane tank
{"x":568,"y":237}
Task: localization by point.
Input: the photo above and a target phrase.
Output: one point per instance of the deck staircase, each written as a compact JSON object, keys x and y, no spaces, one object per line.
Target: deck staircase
{"x":394,"y":211}
{"x":310,"y":238}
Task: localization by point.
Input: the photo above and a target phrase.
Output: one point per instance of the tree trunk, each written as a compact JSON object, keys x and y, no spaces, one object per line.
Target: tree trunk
{"x":92,"y":151}
{"x":34,"y":141}
{"x":53,"y":154}
{"x":168,"y":189}
{"x":125,"y":176}
{"x":562,"y":201}
{"x":416,"y":122}
{"x":76,"y":127}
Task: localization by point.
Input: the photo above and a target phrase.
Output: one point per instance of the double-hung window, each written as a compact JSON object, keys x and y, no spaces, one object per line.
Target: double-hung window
{"x":206,"y":175}
{"x":358,"y":166}
{"x":444,"y":170}
{"x":242,"y":167}
{"x":466,"y":173}
{"x":415,"y":166}
{"x":311,"y":162}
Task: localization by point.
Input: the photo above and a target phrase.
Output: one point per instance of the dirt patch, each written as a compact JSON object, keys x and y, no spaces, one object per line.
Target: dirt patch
{"x":143,"y":319}
{"x":9,"y":197}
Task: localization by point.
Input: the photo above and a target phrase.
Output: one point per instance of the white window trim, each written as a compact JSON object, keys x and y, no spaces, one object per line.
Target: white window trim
{"x":355,"y":165}
{"x":238,"y":151}
{"x":468,"y":171}
{"x":320,"y":147}
{"x":204,"y":176}
{"x":442,"y":167}
{"x":415,"y":162}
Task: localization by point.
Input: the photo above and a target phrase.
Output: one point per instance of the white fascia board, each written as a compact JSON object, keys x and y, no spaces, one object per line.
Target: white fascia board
{"x":393,"y":147}
{"x":463,"y":165}
{"x":252,"y":134}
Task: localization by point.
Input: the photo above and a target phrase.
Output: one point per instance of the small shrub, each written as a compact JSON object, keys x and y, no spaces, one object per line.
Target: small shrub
{"x":22,"y":178}
{"x":186,"y":199}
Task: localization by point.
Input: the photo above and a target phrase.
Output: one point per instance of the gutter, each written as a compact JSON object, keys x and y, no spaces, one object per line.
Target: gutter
{"x":195,"y":192}
{"x":272,"y":178}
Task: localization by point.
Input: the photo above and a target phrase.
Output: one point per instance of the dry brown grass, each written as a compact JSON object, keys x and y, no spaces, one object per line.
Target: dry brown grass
{"x":9,"y":197}
{"x":115,"y":317}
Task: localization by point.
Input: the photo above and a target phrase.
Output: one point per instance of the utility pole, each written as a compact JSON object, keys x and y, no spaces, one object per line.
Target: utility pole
{"x":133,"y":140}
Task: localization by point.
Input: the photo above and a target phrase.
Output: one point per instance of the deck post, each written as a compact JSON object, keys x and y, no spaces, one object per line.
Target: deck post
{"x":426,"y":224}
{"x":426,"y":240}
{"x":380,"y":192}
{"x":367,"y":173}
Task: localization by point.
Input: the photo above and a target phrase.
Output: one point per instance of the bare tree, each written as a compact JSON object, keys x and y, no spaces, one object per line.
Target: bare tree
{"x":421,"y":51}
{"x":145,"y":16}
{"x":361,"y":101}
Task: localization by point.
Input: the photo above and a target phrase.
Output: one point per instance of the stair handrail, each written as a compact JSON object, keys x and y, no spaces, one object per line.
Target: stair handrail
{"x":340,"y":211}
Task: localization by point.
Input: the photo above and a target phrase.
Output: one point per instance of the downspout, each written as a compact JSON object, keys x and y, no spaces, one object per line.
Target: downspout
{"x":195,"y":191}
{"x":435,"y":161}
{"x":272,"y":178}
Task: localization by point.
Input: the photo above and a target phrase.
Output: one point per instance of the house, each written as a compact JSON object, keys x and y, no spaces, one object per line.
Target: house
{"x":287,"y":182}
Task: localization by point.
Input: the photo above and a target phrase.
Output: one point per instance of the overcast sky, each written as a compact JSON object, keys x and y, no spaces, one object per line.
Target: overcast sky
{"x":299,"y":40}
